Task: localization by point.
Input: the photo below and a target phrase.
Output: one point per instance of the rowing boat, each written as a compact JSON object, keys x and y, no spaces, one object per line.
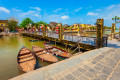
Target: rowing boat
{"x":44,"y":55}
{"x":26,"y":60}
{"x":57,"y":51}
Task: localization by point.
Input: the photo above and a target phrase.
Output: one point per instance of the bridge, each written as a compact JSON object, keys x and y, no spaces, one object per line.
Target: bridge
{"x":87,"y":43}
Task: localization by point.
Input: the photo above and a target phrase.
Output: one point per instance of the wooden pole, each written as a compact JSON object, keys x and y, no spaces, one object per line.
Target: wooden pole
{"x":44,"y":30}
{"x":100,"y":23}
{"x":60,"y":31}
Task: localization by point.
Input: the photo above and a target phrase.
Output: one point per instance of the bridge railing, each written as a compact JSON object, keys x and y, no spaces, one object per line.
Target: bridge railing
{"x":86,"y":40}
{"x":75,"y":38}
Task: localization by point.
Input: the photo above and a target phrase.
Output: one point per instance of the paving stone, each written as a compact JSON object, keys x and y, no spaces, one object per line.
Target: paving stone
{"x":82,"y":77}
{"x":50,"y":79}
{"x":103,"y":62}
{"x":107,"y":70}
{"x":71,"y":69}
{"x":111,"y":78}
{"x":94,"y":62}
{"x":92,"y":71}
{"x":70,"y":77}
{"x":100,"y":77}
{"x":112,"y":63}
{"x":62,"y":79}
{"x":116,"y":76}
{"x":81,"y":70}
{"x":88,"y":74}
{"x":66,"y":72}
{"x":57,"y":76}
{"x":97,"y":68}
{"x":76,"y":73}
{"x":100,"y":65}
{"x":90,"y":65}
{"x":108,"y":59}
{"x":96,"y":59}
{"x":110,"y":55}
{"x":100,"y":57}
{"x":86,"y":67}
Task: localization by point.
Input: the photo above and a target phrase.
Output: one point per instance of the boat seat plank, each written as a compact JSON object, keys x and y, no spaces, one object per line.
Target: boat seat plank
{"x":58,"y":52}
{"x":37,"y":49}
{"x":24,"y":51}
{"x":24,"y":56}
{"x":53,"y":50}
{"x":49,"y":47}
{"x":39,"y":53}
{"x":26,"y":59}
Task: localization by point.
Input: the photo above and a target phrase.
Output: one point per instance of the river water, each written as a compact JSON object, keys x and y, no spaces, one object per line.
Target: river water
{"x":9,"y":48}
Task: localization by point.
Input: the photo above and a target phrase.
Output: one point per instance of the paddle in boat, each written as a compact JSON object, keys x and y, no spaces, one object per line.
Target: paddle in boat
{"x":44,"y":55}
{"x":26,"y":60}
{"x":57,"y":51}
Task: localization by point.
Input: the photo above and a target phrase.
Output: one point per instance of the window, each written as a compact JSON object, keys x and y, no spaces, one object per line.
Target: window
{"x":2,"y":25}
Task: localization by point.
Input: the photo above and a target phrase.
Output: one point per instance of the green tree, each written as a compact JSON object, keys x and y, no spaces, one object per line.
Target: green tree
{"x":12,"y":24}
{"x":25,"y":22}
{"x":41,"y":22}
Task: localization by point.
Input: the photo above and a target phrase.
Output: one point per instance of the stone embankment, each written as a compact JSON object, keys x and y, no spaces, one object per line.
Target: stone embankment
{"x":98,"y":64}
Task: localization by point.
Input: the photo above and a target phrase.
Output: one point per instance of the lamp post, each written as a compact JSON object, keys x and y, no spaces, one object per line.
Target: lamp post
{"x":117,"y":20}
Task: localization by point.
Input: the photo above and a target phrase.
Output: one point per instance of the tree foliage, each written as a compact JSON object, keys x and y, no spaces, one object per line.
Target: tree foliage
{"x":41,"y":22}
{"x":12,"y":24}
{"x":25,"y":22}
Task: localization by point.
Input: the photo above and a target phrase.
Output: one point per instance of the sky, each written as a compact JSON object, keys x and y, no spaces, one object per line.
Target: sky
{"x":61,"y":11}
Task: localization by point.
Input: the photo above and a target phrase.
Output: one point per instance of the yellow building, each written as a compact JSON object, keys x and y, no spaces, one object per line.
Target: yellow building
{"x":3,"y":24}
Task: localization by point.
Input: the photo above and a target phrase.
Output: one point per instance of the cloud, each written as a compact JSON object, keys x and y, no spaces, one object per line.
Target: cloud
{"x":37,"y":15}
{"x":92,"y":14}
{"x":4,"y":10}
{"x":57,"y":10}
{"x":30,"y":13}
{"x":65,"y":17}
{"x":27,"y":13}
{"x":76,"y":10}
{"x":17,"y":10}
{"x":37,"y":8}
{"x":110,"y":7}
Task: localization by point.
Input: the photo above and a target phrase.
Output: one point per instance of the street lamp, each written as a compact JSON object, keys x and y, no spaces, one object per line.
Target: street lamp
{"x":117,"y":20}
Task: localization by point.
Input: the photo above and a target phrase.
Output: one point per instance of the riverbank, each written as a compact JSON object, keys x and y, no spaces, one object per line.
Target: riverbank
{"x":8,"y":33}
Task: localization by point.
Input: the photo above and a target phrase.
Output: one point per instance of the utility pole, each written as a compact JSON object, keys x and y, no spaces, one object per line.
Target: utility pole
{"x":117,"y":20}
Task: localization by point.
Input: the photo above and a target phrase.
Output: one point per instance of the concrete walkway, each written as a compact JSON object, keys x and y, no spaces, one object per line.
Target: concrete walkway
{"x":99,"y":64}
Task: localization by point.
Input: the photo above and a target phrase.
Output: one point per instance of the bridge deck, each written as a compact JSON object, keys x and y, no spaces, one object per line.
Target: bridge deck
{"x":85,"y":42}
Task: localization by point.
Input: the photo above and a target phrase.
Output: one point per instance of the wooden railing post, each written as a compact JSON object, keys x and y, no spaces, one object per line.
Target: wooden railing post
{"x":100,"y":23}
{"x":44,"y":30}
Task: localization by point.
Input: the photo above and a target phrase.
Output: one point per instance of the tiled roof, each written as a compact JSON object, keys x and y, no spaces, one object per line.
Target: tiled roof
{"x":3,"y":21}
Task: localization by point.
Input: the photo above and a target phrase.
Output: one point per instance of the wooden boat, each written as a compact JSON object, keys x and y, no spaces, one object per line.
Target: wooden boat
{"x":44,"y":55}
{"x":26,"y":60}
{"x":48,"y":43}
{"x":57,"y":51}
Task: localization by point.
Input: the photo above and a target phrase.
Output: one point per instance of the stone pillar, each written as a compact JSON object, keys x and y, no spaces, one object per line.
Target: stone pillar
{"x":44,"y":30}
{"x":100,"y":23}
{"x":60,"y":31}
{"x":113,"y":30}
{"x":79,"y":29}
